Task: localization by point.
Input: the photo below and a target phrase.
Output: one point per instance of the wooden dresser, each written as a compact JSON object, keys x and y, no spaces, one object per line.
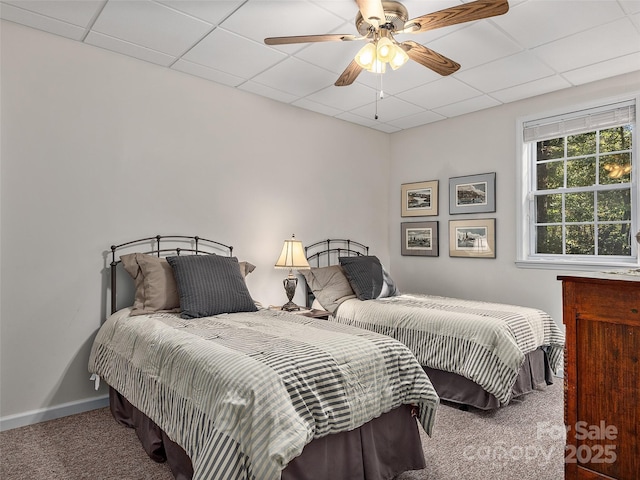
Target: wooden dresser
{"x":601,"y":313}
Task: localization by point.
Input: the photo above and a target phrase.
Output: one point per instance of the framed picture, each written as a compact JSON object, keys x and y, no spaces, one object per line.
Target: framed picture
{"x":472,"y":194}
{"x":472,"y":238}
{"x":420,"y":238}
{"x":420,"y":199}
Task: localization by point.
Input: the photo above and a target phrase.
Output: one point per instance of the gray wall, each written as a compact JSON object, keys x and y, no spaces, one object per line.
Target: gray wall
{"x":480,"y":142}
{"x":98,"y":148}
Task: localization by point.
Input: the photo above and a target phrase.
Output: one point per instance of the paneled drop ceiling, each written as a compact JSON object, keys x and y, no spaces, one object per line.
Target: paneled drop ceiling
{"x":539,"y":46}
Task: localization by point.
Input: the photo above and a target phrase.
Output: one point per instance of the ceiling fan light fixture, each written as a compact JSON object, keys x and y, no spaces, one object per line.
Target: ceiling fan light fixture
{"x":399,"y":58}
{"x":378,"y":67}
{"x":366,"y":56}
{"x":385,"y":49}
{"x":379,"y":20}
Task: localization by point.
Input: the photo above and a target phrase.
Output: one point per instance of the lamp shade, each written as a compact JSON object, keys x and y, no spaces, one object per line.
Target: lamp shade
{"x":378,"y":67}
{"x":366,"y":56}
{"x":292,"y":255}
{"x":399,"y":57}
{"x":385,"y":50}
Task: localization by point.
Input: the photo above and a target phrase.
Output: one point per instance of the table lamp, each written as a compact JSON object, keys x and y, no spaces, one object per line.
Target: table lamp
{"x":292,"y":256}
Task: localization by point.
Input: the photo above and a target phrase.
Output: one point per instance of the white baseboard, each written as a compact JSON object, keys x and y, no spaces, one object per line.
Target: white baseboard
{"x":51,"y":413}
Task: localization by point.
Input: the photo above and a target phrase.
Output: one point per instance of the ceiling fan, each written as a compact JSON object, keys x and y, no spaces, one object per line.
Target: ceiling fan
{"x":379,"y":20}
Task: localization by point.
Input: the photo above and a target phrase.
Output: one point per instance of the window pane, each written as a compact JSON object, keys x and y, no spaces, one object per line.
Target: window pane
{"x":581,"y":172}
{"x":549,"y":239}
{"x":614,"y":239}
{"x":548,"y":149}
{"x":549,"y":208}
{"x":580,"y":240}
{"x":615,"y":168}
{"x":614,"y":205}
{"x":616,"y":139}
{"x":583,"y":144}
{"x":579,"y":200}
{"x":550,"y":175}
{"x":579,"y":207}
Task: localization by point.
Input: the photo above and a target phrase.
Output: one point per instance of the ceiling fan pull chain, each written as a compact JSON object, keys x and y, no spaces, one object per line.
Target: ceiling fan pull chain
{"x":379,"y":79}
{"x":375,"y":117}
{"x":381,"y":95}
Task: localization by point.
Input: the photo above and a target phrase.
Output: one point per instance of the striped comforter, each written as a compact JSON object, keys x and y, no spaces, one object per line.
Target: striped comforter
{"x":243,"y":393}
{"x":484,"y":342}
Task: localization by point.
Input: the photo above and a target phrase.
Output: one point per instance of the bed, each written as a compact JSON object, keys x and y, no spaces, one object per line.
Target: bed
{"x":475,"y":353}
{"x":224,"y":389}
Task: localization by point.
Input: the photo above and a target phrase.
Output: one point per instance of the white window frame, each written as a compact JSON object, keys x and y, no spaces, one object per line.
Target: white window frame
{"x":525,"y":215}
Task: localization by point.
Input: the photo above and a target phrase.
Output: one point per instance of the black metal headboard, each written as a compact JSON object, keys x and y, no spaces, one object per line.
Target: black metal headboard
{"x":327,"y":252}
{"x":163,"y":246}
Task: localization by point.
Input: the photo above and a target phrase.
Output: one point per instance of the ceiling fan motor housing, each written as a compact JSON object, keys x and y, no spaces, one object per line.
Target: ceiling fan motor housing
{"x":396,"y":16}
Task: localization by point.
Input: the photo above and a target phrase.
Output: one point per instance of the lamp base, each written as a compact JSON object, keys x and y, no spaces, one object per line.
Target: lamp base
{"x":290,"y":307}
{"x":290,"y":283}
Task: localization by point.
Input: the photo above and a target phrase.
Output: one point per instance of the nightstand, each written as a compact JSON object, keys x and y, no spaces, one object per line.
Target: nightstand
{"x":306,"y":312}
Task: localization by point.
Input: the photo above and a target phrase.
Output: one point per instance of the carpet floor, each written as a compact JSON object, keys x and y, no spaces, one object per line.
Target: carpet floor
{"x":520,"y":441}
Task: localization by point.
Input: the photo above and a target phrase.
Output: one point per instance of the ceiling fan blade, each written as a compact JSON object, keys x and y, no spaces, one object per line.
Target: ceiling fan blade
{"x":310,"y":38}
{"x":372,"y":12}
{"x":458,"y":14}
{"x":349,"y":75}
{"x":430,"y":59}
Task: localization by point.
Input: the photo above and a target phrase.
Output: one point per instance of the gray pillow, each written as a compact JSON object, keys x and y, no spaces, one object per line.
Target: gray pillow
{"x":156,"y":289}
{"x":209,"y":285}
{"x":367,"y":277}
{"x":329,"y":286}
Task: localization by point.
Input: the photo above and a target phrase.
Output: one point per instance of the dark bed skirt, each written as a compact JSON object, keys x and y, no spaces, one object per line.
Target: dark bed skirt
{"x":534,"y":374}
{"x":379,"y":450}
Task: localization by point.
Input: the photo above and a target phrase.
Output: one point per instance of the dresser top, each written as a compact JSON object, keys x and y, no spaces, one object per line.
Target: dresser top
{"x":627,"y":275}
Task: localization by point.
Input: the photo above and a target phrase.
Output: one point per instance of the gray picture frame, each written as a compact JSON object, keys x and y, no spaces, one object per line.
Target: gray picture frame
{"x":472,"y":194}
{"x":420,"y":238}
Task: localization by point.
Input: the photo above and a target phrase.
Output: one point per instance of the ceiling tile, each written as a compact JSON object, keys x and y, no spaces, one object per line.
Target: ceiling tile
{"x":441,"y":92}
{"x":416,"y":120}
{"x":385,"y":127}
{"x":350,"y":117}
{"x":130,"y":49}
{"x":268,"y":92}
{"x":316,"y":107}
{"x":41,"y":22}
{"x":333,"y":56}
{"x":70,"y":11}
{"x":467,"y":106}
{"x":506,"y":72}
{"x":344,"y":98}
{"x":479,"y":43}
{"x":531,"y":89}
{"x":279,"y":18}
{"x":614,"y":39}
{"x":608,"y":68}
{"x":345,"y":10}
{"x":387,"y":109}
{"x":417,"y":8}
{"x":208,"y":73}
{"x":630,"y":6}
{"x":409,"y":76}
{"x":538,"y":22}
{"x":211,"y":12}
{"x":151,"y":25}
{"x":235,"y":55}
{"x":296,"y":77}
